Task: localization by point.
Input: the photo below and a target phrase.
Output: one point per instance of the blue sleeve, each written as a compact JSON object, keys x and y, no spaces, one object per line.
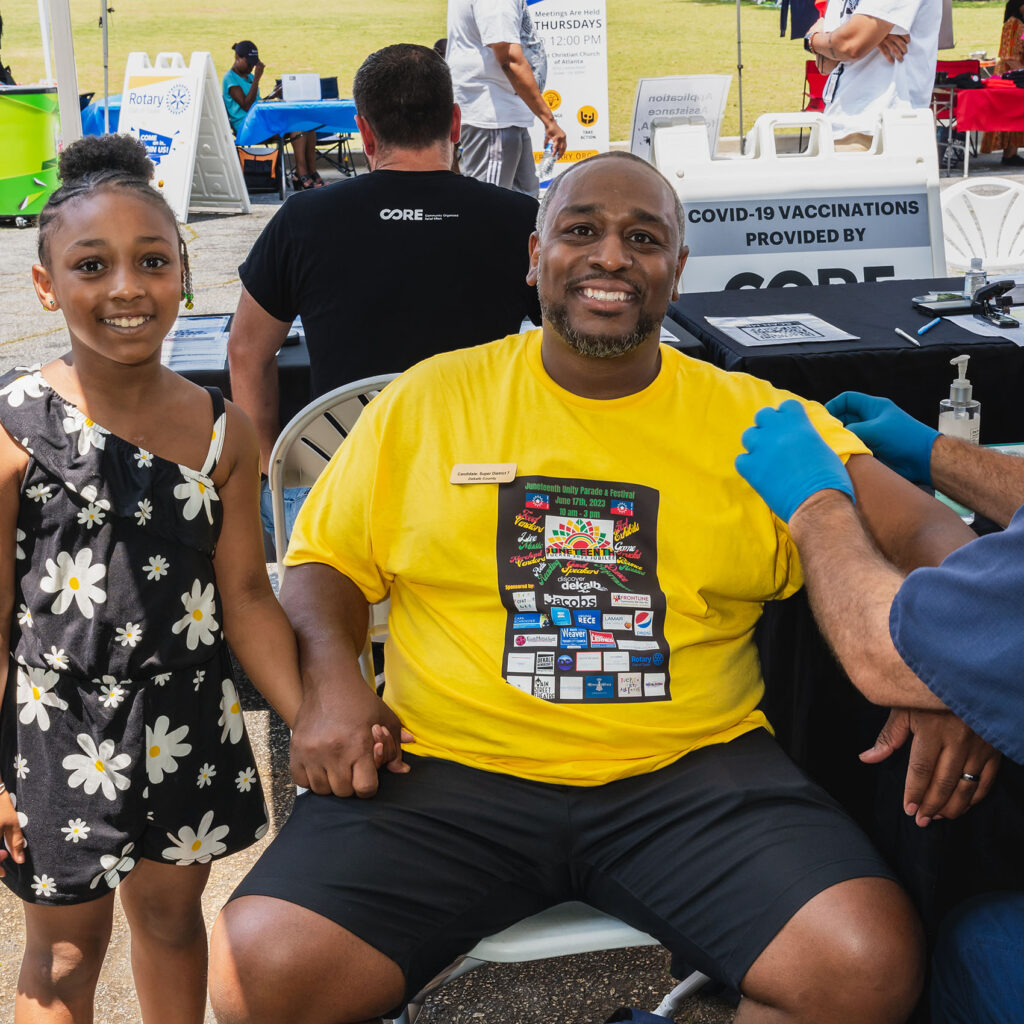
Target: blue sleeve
{"x":960,"y":629}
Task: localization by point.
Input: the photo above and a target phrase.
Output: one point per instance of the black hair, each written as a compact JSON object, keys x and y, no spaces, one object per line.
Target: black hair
{"x":96,"y":163}
{"x":1012,"y":10}
{"x":405,"y":93}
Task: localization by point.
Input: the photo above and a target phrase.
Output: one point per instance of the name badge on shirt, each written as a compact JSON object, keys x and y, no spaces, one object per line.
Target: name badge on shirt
{"x":483,"y":473}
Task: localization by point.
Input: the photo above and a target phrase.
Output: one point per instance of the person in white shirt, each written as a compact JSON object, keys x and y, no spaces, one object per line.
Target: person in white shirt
{"x":881,"y":55}
{"x":497,"y":91}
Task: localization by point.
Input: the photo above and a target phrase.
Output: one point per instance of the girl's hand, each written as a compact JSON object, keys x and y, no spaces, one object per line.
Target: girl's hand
{"x":10,"y":833}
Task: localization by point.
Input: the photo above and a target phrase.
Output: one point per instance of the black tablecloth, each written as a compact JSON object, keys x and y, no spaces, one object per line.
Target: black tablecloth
{"x":880,"y":362}
{"x":292,"y":379}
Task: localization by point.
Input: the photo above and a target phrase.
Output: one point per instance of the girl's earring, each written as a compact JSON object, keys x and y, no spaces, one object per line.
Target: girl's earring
{"x":53,"y":303}
{"x":188,"y":297}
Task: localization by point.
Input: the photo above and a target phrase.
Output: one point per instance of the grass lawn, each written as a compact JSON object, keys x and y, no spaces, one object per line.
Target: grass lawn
{"x":646,"y":37}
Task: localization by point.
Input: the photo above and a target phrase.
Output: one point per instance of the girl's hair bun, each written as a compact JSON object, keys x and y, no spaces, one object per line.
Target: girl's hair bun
{"x":93,"y":154}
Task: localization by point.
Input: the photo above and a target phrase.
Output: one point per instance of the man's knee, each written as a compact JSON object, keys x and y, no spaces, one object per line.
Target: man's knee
{"x":854,"y":952}
{"x":269,"y":957}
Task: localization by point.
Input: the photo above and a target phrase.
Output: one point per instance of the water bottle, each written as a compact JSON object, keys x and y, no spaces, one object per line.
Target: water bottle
{"x":547,"y":163}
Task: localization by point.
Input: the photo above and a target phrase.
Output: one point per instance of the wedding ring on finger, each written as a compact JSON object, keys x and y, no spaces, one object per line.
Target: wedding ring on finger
{"x":968,"y":777}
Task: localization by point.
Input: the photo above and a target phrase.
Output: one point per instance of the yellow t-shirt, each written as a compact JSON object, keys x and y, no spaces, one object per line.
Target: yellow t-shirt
{"x":592,"y":618}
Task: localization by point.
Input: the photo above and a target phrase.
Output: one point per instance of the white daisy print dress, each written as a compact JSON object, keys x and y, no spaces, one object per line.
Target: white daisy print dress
{"x":121,"y":734}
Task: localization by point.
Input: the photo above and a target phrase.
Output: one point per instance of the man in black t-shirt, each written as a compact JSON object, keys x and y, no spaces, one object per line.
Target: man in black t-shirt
{"x":387,"y":268}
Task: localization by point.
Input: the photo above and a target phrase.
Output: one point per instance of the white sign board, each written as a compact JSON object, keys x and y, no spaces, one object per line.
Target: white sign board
{"x":678,"y":96}
{"x":177,"y":112}
{"x":767,"y":220}
{"x":575,"y":37}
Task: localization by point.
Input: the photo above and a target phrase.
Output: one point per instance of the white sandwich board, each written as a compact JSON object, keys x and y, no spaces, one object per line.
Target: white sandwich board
{"x":177,"y":111}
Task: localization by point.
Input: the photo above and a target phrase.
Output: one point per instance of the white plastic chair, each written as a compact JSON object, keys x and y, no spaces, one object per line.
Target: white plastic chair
{"x":561,"y":930}
{"x":984,"y":217}
{"x":302,"y":451}
{"x":312,"y":436}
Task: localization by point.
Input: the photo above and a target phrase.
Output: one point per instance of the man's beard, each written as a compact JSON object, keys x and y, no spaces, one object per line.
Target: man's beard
{"x":598,"y":346}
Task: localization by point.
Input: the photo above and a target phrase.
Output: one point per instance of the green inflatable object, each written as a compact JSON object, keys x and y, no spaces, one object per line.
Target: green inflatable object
{"x":29,"y":128}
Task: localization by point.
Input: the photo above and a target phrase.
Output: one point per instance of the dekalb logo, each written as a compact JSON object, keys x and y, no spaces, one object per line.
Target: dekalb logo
{"x":387,"y":214}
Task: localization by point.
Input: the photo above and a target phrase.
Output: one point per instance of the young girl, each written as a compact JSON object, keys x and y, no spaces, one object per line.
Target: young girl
{"x":130,"y":555}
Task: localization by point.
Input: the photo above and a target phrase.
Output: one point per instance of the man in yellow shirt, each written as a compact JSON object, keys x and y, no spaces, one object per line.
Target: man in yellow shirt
{"x":575,"y":571}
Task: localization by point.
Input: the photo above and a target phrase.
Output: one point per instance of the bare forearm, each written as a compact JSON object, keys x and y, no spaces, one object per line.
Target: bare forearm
{"x":254,"y":388}
{"x":258,"y":632}
{"x":851,"y":41}
{"x":987,"y":481}
{"x":329,"y":615}
{"x":851,"y":589}
{"x":519,"y":73}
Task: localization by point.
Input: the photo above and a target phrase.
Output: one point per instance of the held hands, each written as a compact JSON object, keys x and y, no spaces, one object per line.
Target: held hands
{"x":901,"y":442}
{"x":787,"y":461}
{"x":893,"y":47}
{"x":942,"y":752}
{"x":340,"y":743}
{"x":11,"y":836}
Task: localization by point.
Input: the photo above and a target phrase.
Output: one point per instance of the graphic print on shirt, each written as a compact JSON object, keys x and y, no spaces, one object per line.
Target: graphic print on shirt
{"x":577,"y":573}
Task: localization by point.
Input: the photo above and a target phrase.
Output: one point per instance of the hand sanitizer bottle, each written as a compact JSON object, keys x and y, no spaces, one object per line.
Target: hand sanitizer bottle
{"x":974,"y":279}
{"x":960,"y":416}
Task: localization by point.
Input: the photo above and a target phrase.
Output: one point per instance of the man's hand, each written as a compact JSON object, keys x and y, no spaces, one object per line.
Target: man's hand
{"x":943,"y":750}
{"x":893,"y":47}
{"x":787,"y":461}
{"x":554,"y":134}
{"x":341,"y":740}
{"x":11,"y":836}
{"x":895,"y":438}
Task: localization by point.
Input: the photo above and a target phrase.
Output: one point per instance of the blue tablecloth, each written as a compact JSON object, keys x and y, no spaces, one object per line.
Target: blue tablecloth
{"x":265,"y":120}
{"x":92,"y":116}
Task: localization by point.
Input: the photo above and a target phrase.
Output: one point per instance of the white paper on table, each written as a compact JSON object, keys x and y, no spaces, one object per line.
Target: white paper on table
{"x":969,"y":322}
{"x":780,"y":329}
{"x":196,"y":343}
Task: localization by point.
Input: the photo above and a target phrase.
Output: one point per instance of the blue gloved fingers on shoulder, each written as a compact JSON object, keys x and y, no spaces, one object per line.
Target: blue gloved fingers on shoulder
{"x":786,"y":459}
{"x":894,"y":437}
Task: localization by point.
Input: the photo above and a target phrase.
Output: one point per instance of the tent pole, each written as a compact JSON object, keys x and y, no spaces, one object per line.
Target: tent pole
{"x":67,"y":77}
{"x":739,"y":72}
{"x":106,"y":75}
{"x":44,"y":29}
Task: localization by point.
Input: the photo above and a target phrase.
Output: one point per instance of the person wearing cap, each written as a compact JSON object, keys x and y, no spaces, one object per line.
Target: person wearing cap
{"x":941,"y":637}
{"x":241,"y":90}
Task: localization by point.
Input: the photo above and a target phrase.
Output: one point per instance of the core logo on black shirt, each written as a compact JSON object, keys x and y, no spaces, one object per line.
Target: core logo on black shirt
{"x":389,"y":213}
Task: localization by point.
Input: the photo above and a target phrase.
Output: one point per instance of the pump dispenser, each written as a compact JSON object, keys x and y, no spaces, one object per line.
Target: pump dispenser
{"x":960,"y":414}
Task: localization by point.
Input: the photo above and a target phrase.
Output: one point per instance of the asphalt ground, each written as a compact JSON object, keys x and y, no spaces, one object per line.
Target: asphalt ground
{"x":569,"y":990}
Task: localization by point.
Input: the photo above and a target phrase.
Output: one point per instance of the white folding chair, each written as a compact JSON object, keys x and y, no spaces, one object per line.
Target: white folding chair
{"x":984,"y":217}
{"x":562,"y":930}
{"x":312,"y":436}
{"x":303,"y":449}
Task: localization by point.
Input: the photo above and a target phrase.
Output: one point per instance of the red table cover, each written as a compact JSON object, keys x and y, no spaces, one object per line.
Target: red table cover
{"x":999,"y":107}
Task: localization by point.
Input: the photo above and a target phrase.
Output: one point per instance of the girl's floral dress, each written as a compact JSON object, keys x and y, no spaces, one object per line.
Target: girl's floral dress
{"x":121,"y":734}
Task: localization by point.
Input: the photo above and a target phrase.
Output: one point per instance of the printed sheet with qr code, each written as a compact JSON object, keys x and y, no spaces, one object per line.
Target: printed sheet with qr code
{"x":780,"y":329}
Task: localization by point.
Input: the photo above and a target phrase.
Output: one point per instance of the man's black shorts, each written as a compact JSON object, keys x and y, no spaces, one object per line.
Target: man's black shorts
{"x":711,"y":855}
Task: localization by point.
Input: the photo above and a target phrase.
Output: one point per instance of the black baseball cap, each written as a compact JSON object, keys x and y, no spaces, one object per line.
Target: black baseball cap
{"x":247,"y":49}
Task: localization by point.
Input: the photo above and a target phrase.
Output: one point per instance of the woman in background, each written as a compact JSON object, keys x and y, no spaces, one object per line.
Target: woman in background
{"x":1011,"y":58}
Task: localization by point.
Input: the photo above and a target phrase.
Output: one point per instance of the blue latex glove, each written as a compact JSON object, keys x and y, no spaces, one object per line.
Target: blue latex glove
{"x":901,"y":442}
{"x":787,"y":461}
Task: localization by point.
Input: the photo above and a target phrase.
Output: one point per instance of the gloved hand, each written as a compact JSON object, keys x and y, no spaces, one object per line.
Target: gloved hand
{"x":787,"y":461}
{"x":901,"y":442}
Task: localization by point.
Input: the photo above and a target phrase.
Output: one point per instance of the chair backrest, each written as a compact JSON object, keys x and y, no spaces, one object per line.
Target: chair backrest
{"x":949,"y":68}
{"x":307,"y":443}
{"x":984,"y":217}
{"x":814,"y":87}
{"x":329,"y":87}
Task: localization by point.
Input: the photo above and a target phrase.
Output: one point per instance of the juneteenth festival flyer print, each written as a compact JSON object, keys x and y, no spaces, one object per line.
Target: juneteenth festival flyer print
{"x":577,"y":571}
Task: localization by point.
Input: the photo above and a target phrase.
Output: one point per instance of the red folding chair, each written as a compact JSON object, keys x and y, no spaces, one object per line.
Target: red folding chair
{"x":944,"y":108}
{"x":814,"y":88}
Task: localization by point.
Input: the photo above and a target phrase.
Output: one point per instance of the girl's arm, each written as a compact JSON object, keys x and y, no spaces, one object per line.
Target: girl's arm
{"x":13,"y":462}
{"x":255,"y":626}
